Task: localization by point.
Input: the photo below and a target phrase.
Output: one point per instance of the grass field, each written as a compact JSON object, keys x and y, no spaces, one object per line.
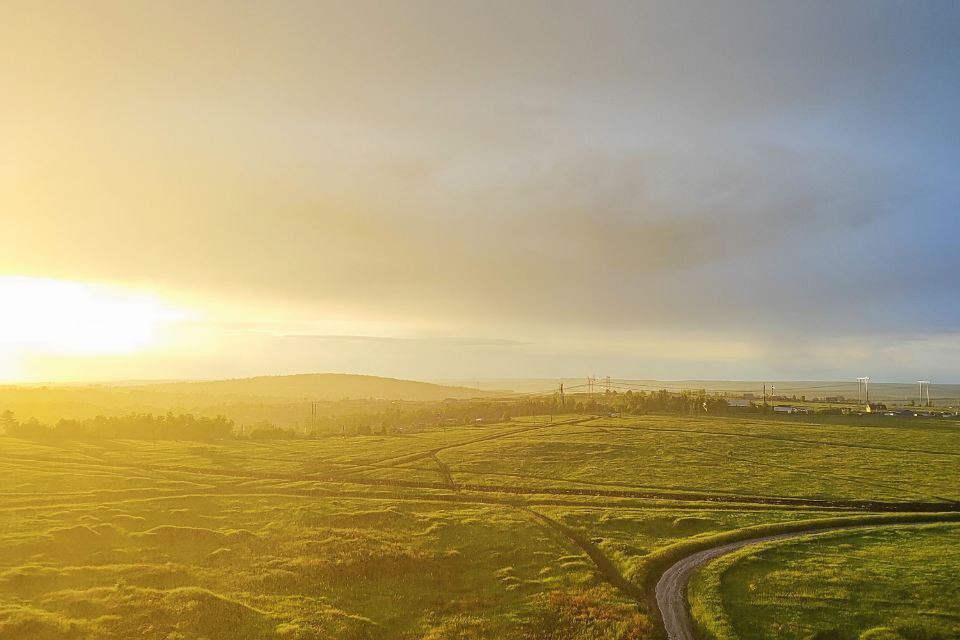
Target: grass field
{"x":526,"y":529}
{"x":893,"y":583}
{"x":723,"y":455}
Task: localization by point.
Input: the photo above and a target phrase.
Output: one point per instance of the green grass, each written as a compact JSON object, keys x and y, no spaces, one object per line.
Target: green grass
{"x":889,"y":583}
{"x":726,"y":455}
{"x":275,"y":566}
{"x":479,"y":531}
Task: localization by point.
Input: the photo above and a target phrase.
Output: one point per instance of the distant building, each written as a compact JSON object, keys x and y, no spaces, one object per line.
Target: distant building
{"x":784,"y":409}
{"x":738,"y":402}
{"x":875,"y":407}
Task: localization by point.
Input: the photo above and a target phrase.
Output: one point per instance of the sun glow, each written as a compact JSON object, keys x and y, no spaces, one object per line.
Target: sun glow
{"x":40,"y":316}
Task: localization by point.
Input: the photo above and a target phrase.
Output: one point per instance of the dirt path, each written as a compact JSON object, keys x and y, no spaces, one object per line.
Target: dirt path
{"x":671,"y":590}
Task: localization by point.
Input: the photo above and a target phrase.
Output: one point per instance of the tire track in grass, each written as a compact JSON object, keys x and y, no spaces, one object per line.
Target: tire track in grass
{"x":410,"y":457}
{"x":605,"y":567}
{"x":679,"y":495}
{"x":96,"y":499}
{"x":183,"y":472}
{"x":444,"y":471}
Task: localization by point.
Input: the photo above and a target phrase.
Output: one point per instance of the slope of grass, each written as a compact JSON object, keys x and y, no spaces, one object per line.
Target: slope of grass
{"x":269,"y":566}
{"x":512,"y":530}
{"x":729,"y":455}
{"x":890,"y":583}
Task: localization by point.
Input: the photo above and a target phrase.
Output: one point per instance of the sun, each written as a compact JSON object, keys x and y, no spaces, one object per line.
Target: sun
{"x":62,"y":317}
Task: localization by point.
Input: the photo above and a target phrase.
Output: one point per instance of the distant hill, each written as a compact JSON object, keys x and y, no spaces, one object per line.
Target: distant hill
{"x":318,"y":386}
{"x":281,"y":400}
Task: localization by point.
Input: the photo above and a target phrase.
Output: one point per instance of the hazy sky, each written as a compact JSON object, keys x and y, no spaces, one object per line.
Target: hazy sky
{"x":473,"y":189}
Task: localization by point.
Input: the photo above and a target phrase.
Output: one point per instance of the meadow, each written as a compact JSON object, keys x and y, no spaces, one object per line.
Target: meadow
{"x":537,"y":527}
{"x":890,"y":583}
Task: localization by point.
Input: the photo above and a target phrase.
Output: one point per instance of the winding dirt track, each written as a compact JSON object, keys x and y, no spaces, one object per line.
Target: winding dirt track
{"x":671,"y":589}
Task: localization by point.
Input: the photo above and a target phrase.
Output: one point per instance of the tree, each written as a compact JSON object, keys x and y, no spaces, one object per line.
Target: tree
{"x":8,"y":422}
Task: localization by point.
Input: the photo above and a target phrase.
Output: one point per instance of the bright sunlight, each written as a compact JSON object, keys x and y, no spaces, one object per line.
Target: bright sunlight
{"x":61,"y":317}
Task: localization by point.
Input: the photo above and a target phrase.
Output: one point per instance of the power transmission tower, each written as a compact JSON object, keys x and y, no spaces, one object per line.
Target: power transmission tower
{"x":864,"y":383}
{"x":921,"y":383}
{"x":314,"y":414}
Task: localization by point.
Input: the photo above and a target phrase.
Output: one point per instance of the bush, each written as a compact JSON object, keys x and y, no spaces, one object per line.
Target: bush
{"x":592,"y":614}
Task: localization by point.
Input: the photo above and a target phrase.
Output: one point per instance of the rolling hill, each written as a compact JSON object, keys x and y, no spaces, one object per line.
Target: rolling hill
{"x":283,"y":400}
{"x":320,"y":386}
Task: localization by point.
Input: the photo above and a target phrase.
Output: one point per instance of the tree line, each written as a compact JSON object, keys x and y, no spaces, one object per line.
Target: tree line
{"x":641,"y":402}
{"x":144,"y":426}
{"x":395,"y":419}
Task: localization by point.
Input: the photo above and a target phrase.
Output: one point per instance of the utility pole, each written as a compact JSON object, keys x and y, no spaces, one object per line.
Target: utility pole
{"x":921,"y":383}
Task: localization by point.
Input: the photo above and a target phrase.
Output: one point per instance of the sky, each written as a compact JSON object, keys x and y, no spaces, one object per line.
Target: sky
{"x":448,"y":189}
